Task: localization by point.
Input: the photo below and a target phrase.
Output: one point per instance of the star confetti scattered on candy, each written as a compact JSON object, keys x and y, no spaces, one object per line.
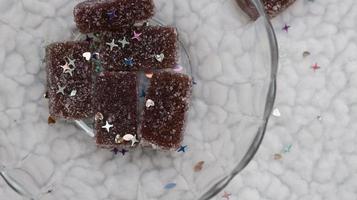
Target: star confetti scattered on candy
{"x":112,"y":44}
{"x":65,"y":67}
{"x":315,"y":67}
{"x":129,"y":62}
{"x":111,"y":15}
{"x":123,"y":42}
{"x":71,"y":62}
{"x":286,"y":28}
{"x":182,"y":149}
{"x":61,"y":89}
{"x":226,"y":195}
{"x":107,"y":126}
{"x":69,"y":71}
{"x":136,"y":36}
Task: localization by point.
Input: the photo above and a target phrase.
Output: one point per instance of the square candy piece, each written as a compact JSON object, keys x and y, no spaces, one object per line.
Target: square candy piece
{"x":143,"y":48}
{"x":110,"y":15}
{"x":167,"y":102}
{"x":115,"y":103}
{"x":69,"y":80}
{"x":272,"y":7}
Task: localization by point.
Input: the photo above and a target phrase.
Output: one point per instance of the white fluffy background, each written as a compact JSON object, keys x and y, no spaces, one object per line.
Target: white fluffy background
{"x":322,"y":163}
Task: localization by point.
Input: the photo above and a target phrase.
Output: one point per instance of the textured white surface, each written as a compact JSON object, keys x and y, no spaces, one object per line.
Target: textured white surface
{"x":321,"y":164}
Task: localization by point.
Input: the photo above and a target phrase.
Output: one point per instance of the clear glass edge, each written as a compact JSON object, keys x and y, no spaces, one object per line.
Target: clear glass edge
{"x":270,"y":100}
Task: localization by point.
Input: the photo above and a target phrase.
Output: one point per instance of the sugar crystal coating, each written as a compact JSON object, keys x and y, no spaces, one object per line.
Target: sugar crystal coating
{"x":272,"y":7}
{"x":167,"y":102}
{"x":69,"y":80}
{"x":153,"y":48}
{"x":110,"y":15}
{"x":115,"y":105}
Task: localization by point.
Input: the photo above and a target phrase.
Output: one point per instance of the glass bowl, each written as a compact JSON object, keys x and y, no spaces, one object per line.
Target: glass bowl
{"x":234,"y":65}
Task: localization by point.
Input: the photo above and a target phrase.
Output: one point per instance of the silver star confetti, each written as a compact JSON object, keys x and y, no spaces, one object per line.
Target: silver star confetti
{"x":150,"y":103}
{"x":73,"y":93}
{"x":71,"y":62}
{"x":69,"y":71}
{"x":112,"y":44}
{"x":107,"y":126}
{"x":61,"y":90}
{"x":160,"y":57}
{"x":130,"y":137}
{"x":65,"y":67}
{"x":123,"y":42}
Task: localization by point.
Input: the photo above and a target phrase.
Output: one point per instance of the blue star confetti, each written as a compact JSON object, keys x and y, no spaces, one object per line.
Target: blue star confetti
{"x":123,"y":151}
{"x":182,"y":149}
{"x":115,"y":151}
{"x":286,"y":28}
{"x":111,"y":15}
{"x":129,"y":62}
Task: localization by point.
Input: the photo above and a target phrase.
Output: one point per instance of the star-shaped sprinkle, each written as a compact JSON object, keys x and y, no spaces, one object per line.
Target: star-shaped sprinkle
{"x":286,"y":28}
{"x":71,"y":62}
{"x":107,"y":126}
{"x":65,"y":67}
{"x":115,"y":151}
{"x":226,"y":195}
{"x":169,"y":186}
{"x":129,"y":62}
{"x":182,"y":149}
{"x":112,"y":44}
{"x":69,"y":71}
{"x":123,"y":42}
{"x":61,"y":89}
{"x":136,"y":36}
{"x":123,"y":151}
{"x":134,"y":140}
{"x":315,"y":67}
{"x":111,"y":15}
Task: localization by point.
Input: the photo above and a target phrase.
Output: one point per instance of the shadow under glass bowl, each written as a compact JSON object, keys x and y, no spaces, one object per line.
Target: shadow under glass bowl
{"x":233,"y":63}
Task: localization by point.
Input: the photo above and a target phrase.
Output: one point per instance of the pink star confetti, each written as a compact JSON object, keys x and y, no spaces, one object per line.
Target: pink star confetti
{"x":136,"y":36}
{"x":226,"y":195}
{"x":315,"y":67}
{"x":286,"y":28}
